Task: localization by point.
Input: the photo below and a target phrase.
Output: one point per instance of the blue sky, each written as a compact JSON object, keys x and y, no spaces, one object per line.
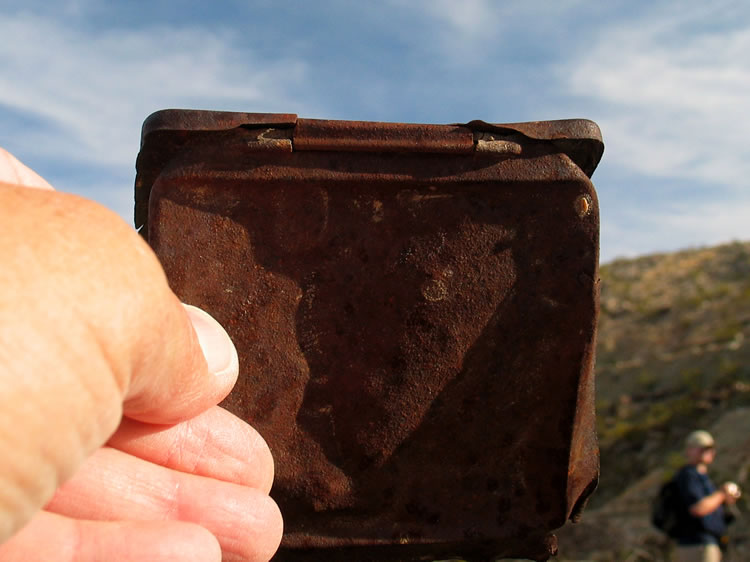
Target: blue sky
{"x":667,"y":81}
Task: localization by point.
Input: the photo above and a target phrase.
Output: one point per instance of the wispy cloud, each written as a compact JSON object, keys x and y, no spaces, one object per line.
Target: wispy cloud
{"x":471,"y":17}
{"x":668,"y":81}
{"x":675,"y":94}
{"x":669,"y":84}
{"x":93,"y":89}
{"x":471,"y":33}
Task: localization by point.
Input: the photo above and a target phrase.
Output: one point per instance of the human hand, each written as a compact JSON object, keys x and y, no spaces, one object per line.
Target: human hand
{"x":108,"y":387}
{"x":731,"y":491}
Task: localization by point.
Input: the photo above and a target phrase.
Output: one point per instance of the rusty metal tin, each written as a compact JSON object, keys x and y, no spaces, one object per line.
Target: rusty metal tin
{"x":415,"y":309}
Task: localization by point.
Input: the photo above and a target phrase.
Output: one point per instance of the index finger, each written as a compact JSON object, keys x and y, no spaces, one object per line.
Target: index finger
{"x":216,"y":444}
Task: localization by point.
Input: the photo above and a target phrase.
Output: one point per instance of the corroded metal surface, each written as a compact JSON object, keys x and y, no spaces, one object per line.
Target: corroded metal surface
{"x":191,"y":120}
{"x":415,"y":326}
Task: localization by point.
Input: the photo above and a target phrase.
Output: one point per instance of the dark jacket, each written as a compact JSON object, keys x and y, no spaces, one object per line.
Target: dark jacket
{"x":708,"y":529}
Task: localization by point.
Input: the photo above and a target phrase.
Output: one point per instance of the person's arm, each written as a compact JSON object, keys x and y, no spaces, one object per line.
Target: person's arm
{"x":108,"y":386}
{"x":727,"y":495}
{"x":708,"y":504}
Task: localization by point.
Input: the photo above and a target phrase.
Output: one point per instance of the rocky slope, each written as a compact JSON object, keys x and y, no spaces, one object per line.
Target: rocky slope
{"x":673,"y":355}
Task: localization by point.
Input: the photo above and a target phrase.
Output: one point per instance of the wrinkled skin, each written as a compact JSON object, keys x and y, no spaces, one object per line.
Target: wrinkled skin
{"x":113,"y":447}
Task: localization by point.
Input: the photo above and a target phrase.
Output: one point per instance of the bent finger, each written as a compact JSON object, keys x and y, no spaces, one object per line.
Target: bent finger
{"x":216,"y":444}
{"x":112,"y":485}
{"x":50,"y":536}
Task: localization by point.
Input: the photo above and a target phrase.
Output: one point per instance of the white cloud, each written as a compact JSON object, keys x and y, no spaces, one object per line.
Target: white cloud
{"x":469,"y":17}
{"x":670,"y":89}
{"x":97,"y":88}
{"x":479,"y":20}
{"x":91,"y":91}
{"x":475,"y":33}
{"x":676,"y":101}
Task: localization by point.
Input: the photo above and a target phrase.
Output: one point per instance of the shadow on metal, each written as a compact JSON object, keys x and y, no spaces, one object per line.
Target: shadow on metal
{"x":415,"y":309}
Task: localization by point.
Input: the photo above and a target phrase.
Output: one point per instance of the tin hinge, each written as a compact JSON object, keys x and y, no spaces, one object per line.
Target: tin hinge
{"x":496,"y":143}
{"x":270,"y":139}
{"x":362,"y":136}
{"x":352,"y":136}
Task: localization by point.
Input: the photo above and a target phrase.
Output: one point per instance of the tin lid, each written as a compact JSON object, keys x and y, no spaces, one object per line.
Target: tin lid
{"x":167,"y":132}
{"x":579,"y":139}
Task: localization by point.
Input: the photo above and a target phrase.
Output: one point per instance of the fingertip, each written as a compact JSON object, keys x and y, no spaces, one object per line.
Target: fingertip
{"x":267,"y":539}
{"x":218,"y":349}
{"x":262,"y":452}
{"x":278,"y":529}
{"x":190,"y":542}
{"x":13,"y":171}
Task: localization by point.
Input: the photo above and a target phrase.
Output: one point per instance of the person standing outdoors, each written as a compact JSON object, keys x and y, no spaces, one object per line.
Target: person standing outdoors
{"x":704,"y":522}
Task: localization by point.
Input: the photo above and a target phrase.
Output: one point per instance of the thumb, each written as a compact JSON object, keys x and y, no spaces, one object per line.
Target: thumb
{"x":216,"y":346}
{"x":194,"y":369}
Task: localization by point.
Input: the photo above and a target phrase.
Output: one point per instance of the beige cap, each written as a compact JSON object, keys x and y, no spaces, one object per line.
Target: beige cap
{"x":699,"y":438}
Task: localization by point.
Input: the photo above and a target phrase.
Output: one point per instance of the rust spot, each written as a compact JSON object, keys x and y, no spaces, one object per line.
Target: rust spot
{"x":583,"y":205}
{"x":377,"y":211}
{"x":434,"y":290}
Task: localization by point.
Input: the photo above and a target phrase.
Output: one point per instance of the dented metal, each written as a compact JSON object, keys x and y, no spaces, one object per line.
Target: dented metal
{"x":415,"y":309}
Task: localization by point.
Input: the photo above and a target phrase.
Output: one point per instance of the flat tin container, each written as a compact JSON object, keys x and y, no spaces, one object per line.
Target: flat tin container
{"x":414,"y":308}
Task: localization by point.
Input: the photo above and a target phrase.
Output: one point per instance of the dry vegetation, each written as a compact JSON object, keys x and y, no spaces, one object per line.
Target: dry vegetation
{"x":673,"y":355}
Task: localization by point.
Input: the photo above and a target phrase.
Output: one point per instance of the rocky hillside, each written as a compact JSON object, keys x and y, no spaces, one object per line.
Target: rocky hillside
{"x":673,"y":355}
